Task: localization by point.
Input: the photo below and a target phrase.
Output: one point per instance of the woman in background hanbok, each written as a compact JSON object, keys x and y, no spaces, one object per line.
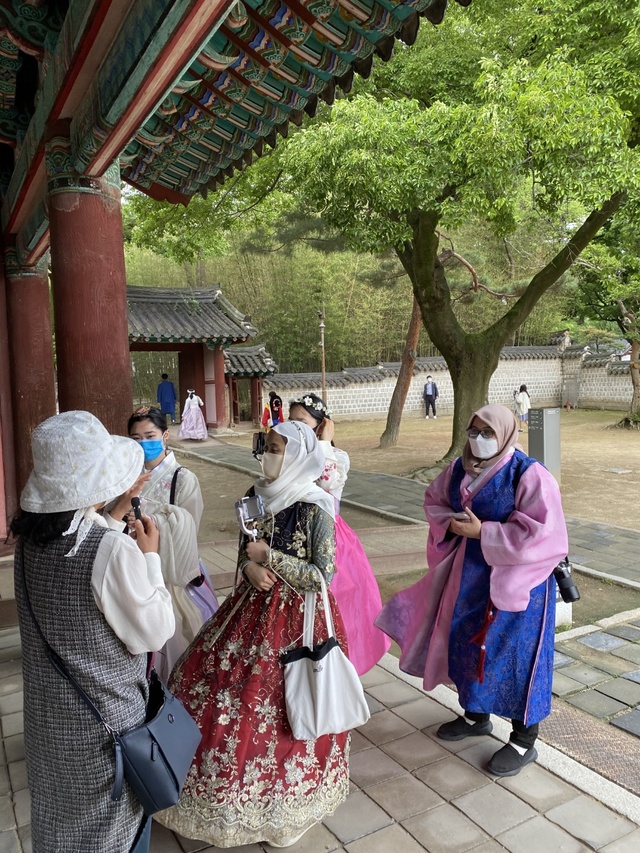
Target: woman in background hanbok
{"x":192,"y":423}
{"x":251,"y":781}
{"x":483,"y":618}
{"x":354,"y":585}
{"x":171,"y":496}
{"x":272,"y":414}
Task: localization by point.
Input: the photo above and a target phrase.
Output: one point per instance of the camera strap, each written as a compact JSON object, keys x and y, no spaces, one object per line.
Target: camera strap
{"x":174,"y":483}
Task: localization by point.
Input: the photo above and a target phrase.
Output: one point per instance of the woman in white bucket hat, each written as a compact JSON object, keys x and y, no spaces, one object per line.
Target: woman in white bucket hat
{"x":101,"y":603}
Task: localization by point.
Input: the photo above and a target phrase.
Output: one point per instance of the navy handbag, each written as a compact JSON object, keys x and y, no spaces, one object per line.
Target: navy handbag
{"x":154,"y":757}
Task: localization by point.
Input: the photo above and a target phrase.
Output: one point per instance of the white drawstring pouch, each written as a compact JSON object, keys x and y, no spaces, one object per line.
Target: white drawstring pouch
{"x":323,"y":693}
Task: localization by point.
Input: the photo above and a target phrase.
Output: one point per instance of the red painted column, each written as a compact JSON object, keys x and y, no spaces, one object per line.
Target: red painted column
{"x":89,"y":287}
{"x":30,"y":355}
{"x":256,"y":400}
{"x":220,"y":387}
{"x":8,"y":492}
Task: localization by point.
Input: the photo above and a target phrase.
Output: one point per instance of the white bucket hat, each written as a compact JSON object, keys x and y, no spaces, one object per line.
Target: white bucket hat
{"x":77,"y":464}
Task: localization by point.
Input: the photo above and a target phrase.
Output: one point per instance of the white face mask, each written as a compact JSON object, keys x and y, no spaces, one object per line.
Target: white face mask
{"x":272,"y":465}
{"x":483,"y":448}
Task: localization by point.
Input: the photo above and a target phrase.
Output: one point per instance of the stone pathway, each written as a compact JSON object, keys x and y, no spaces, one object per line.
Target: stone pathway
{"x":410,"y":791}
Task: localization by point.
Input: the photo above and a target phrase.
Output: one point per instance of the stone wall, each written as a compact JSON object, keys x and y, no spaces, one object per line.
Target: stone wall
{"x":605,"y":386}
{"x":552,"y":377}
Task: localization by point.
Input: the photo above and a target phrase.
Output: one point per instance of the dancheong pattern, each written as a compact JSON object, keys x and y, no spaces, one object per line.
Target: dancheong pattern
{"x":267,"y":64}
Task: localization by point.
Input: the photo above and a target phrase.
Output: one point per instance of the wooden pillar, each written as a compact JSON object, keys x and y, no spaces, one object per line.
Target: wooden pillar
{"x":234,"y":405}
{"x":8,"y":490}
{"x":256,"y":400}
{"x":191,"y":374}
{"x":89,"y":286}
{"x":30,"y":355}
{"x":221,"y":401}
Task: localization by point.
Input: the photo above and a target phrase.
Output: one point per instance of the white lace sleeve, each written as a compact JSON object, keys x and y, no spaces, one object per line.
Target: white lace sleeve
{"x":336,"y":469}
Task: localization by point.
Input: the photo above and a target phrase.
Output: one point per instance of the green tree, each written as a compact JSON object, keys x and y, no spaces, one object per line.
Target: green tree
{"x":609,"y":287}
{"x":496,"y":99}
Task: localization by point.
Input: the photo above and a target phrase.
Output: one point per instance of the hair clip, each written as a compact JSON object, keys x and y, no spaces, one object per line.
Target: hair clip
{"x":143,"y":410}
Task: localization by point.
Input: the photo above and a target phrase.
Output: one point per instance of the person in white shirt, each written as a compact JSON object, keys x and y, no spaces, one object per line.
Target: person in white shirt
{"x":523,"y":404}
{"x":100,"y":602}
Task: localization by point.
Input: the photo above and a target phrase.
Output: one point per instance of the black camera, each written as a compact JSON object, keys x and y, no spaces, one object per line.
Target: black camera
{"x":569,"y":592}
{"x":259,"y":443}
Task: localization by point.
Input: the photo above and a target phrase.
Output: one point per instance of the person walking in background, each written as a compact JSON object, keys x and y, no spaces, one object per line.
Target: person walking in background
{"x":430,"y":395}
{"x":251,"y":780}
{"x":272,"y":414}
{"x":192,"y":423}
{"x":167,"y":398}
{"x":523,"y":404}
{"x":101,"y":604}
{"x":483,"y":617}
{"x":354,"y":584}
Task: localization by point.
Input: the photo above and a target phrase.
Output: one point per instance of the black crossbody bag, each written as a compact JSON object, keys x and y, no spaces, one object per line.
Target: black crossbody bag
{"x":156,"y":756}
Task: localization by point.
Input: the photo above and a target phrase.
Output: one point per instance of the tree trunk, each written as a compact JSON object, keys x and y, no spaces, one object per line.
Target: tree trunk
{"x":634,"y":370}
{"x":392,"y":430}
{"x":473,"y":358}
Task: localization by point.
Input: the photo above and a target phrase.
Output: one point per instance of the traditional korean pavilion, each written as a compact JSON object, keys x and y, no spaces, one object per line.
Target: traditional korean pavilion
{"x":201,"y":326}
{"x":173,"y":96}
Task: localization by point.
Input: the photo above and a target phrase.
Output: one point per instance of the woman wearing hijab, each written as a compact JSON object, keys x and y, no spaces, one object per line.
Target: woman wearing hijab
{"x":100,"y":602}
{"x":354,"y":584}
{"x":483,"y":618}
{"x":251,"y":781}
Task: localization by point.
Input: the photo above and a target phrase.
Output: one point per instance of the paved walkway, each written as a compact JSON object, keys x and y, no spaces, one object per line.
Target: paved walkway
{"x":410,"y":791}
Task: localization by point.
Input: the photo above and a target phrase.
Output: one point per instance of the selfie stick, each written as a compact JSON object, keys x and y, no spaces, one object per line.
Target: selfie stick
{"x":252,"y":533}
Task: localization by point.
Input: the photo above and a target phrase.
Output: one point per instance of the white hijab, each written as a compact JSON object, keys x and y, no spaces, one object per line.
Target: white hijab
{"x":302,"y":465}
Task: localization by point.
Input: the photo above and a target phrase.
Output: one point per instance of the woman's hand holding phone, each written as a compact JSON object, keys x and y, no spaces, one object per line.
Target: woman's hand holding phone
{"x":465,"y":524}
{"x":258,"y":551}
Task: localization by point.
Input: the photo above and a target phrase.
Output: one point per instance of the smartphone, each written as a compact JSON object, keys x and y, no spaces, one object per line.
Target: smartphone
{"x":251,"y":508}
{"x":460,"y":516}
{"x":135,"y":503}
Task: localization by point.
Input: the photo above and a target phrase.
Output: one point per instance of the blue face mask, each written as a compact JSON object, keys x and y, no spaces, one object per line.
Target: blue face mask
{"x":152,"y":448}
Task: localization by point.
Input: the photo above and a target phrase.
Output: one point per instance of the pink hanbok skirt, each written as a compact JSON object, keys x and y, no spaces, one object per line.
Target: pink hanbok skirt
{"x":193,"y":424}
{"x":358,"y":597}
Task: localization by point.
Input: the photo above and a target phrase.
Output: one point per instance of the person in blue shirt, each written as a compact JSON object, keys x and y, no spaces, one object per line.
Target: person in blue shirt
{"x":167,"y":398}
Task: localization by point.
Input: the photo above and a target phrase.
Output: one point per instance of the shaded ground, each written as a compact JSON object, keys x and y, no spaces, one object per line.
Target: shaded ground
{"x":590,"y":489}
{"x":222,"y":487}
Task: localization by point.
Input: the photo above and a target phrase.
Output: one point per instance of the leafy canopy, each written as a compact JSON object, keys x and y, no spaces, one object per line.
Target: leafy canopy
{"x":378,"y":159}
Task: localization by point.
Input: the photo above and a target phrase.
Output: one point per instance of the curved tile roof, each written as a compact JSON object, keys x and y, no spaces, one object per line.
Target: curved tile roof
{"x":248,"y":361}
{"x":181,"y":315}
{"x":390,"y":369}
{"x":268,"y":63}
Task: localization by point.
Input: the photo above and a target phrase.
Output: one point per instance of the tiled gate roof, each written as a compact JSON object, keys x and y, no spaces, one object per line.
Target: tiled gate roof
{"x":181,"y":315}
{"x":248,"y":361}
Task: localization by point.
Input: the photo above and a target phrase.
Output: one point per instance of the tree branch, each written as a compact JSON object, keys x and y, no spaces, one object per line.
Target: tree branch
{"x":557,"y":266}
